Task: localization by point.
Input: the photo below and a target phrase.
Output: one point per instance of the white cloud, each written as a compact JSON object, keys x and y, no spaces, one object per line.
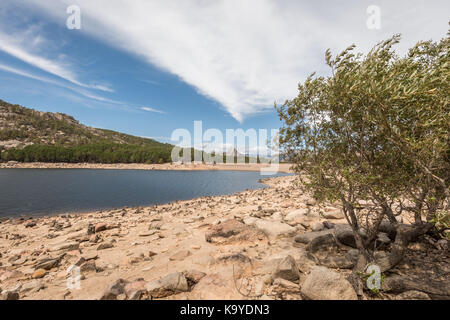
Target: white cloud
{"x":151,"y":110}
{"x":247,"y":54}
{"x":77,"y":90}
{"x":15,"y":47}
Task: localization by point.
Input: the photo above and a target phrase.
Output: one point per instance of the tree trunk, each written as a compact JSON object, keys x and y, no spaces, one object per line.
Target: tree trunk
{"x":405,"y":234}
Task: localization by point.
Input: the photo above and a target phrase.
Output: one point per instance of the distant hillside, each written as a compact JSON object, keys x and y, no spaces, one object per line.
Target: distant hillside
{"x":28,"y":135}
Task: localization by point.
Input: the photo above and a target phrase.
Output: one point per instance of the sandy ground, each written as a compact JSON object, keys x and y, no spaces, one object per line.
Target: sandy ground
{"x":282,"y":167}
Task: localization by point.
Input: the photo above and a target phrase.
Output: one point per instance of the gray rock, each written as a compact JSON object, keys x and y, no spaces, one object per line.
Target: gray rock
{"x":274,"y":229}
{"x":9,"y":295}
{"x":168,"y":285}
{"x":326,"y":252}
{"x":317,"y":226}
{"x":65,"y":246}
{"x":307,"y":237}
{"x":47,"y":264}
{"x":105,"y":245}
{"x":287,"y":269}
{"x":114,"y":290}
{"x":325,"y":284}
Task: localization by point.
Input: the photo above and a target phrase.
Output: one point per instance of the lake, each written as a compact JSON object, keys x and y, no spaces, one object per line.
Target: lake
{"x":37,"y":192}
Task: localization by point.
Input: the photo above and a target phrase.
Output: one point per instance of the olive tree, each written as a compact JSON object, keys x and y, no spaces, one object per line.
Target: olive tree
{"x":374,"y":135}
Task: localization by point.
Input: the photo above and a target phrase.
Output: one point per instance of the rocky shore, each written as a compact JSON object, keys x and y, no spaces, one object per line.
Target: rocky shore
{"x":273,"y":243}
{"x":282,"y":167}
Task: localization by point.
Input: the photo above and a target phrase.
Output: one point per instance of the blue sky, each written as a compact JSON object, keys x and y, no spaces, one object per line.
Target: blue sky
{"x":149,"y":67}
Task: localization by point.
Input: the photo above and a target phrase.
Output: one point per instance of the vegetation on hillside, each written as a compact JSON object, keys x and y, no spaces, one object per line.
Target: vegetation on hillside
{"x":49,"y":137}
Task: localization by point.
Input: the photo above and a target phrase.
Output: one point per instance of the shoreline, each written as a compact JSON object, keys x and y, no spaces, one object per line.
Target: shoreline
{"x":33,"y":216}
{"x":248,"y":245}
{"x":282,"y":167}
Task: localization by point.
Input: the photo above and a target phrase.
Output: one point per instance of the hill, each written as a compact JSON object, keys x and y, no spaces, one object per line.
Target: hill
{"x":27,"y":135}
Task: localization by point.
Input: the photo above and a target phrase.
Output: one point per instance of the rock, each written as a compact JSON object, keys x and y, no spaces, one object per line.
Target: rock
{"x":100,"y":227}
{"x":326,"y":252}
{"x":285,"y":285}
{"x":307,"y":237}
{"x":31,"y":286}
{"x":39,"y":273}
{"x":90,"y":256}
{"x":136,"y":289}
{"x":105,"y":245}
{"x":215,"y":287}
{"x":180,"y":255}
{"x":47,"y":263}
{"x":304,"y":263}
{"x":10,"y":274}
{"x":328,"y":225}
{"x":345,"y":236}
{"x":274,"y":229}
{"x":224,"y":230}
{"x":232,"y":231}
{"x":148,"y":233}
{"x":325,"y":284}
{"x":413,"y":295}
{"x":317,"y":226}
{"x":382,"y":240}
{"x":418,"y":246}
{"x":88,"y":266}
{"x":9,"y":295}
{"x":286,"y":269}
{"x":443,"y":244}
{"x":324,"y":242}
{"x":296,"y":217}
{"x":94,"y":238}
{"x":156,"y":225}
{"x":168,"y":285}
{"x":333,"y":214}
{"x":193,"y":276}
{"x":115,"y":289}
{"x":65,"y":246}
{"x":91,"y":229}
{"x":30,"y":224}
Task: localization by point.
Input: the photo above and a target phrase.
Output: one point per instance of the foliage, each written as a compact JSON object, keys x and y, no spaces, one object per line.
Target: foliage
{"x":375,"y":134}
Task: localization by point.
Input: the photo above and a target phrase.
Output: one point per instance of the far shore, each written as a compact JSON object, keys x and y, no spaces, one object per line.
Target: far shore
{"x":282,"y":167}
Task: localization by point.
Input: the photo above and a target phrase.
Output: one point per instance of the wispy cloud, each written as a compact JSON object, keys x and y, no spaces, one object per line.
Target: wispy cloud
{"x":15,"y":48}
{"x":151,"y":110}
{"x":75,"y":89}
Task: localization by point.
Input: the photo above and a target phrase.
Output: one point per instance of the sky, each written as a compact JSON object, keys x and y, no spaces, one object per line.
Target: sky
{"x":147,"y":67}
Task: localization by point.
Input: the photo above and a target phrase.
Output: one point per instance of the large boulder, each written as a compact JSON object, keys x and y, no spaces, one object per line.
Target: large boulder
{"x":326,"y":252}
{"x":333,"y":213}
{"x":273,"y":229}
{"x":296,"y":217}
{"x":307,"y":237}
{"x":325,"y":284}
{"x":168,"y":285}
{"x":232,"y":230}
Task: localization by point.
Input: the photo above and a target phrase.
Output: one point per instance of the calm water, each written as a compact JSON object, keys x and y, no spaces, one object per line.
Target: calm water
{"x":49,"y":191}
